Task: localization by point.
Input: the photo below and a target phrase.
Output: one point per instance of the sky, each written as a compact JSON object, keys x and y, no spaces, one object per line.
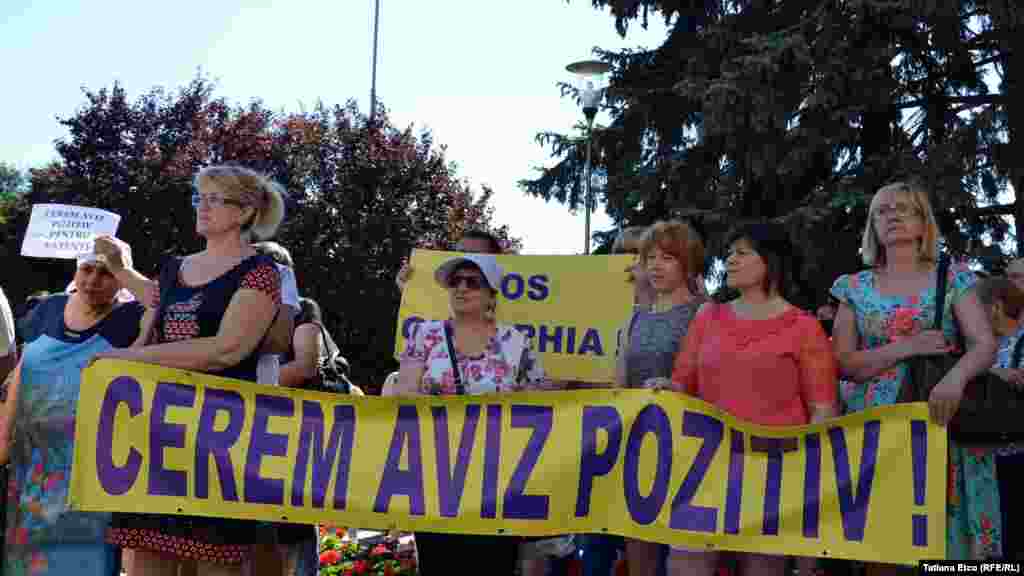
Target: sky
{"x":481,"y":75}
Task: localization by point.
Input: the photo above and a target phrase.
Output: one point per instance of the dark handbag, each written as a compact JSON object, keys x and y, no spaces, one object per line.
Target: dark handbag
{"x":332,"y":370}
{"x":988,"y":412}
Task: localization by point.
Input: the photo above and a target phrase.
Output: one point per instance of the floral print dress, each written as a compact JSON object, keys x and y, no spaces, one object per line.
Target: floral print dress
{"x":973,"y":526}
{"x":508,"y":364}
{"x":43,"y":536}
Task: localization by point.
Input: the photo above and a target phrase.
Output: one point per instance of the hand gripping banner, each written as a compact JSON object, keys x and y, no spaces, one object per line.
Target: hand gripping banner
{"x":657,"y":466}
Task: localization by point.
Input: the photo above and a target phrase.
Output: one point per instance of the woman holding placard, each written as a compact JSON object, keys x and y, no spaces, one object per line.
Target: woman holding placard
{"x":61,"y":335}
{"x":757,"y":357}
{"x":216,"y":309}
{"x":883,"y":321}
{"x":469,"y":354}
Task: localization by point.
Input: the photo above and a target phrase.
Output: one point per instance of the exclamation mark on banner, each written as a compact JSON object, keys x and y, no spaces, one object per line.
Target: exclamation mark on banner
{"x":919,"y":454}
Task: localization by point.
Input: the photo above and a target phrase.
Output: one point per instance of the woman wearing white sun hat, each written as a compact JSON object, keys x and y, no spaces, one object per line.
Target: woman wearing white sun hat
{"x":470,"y":353}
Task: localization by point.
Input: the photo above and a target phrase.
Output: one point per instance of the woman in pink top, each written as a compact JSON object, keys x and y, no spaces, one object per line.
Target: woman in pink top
{"x":757,"y":357}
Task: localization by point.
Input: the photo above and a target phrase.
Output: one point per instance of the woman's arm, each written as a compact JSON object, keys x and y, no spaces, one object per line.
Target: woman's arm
{"x":115,"y":253}
{"x":306,"y":342}
{"x":247,"y":319}
{"x":8,"y":410}
{"x":819,"y":382}
{"x":981,"y":342}
{"x":978,"y":358}
{"x":862,"y":365}
{"x":145,"y":327}
{"x":280,"y":336}
{"x":145,"y":291}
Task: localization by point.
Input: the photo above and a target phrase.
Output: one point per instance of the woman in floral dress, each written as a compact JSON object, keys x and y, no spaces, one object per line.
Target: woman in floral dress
{"x":490,"y":358}
{"x":62,"y":334}
{"x":883,"y":320}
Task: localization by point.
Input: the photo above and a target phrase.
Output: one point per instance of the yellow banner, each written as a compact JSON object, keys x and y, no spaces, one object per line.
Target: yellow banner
{"x":572,"y":306}
{"x":656,"y":466}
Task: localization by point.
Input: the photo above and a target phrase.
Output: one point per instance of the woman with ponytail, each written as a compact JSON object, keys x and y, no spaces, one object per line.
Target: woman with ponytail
{"x":216,"y":308}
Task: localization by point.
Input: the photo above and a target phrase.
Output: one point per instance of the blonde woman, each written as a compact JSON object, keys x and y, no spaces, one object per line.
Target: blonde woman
{"x":219,"y":309}
{"x":883,"y":320}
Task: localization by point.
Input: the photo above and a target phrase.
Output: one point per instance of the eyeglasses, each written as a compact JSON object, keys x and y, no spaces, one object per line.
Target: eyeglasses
{"x":900,"y":210}
{"x":214,"y":200}
{"x":471,"y":282}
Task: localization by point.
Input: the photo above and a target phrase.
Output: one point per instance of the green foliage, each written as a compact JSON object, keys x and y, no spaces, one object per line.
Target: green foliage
{"x":361,"y":197}
{"x":798,"y":112}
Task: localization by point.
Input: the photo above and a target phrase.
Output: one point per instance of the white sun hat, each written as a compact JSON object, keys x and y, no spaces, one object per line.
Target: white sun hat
{"x":487,"y":264}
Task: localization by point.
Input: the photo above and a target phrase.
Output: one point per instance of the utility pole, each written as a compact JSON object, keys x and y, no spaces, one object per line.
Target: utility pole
{"x":373,"y":72}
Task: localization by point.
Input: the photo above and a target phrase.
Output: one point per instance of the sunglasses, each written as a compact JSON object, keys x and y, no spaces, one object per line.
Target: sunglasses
{"x":471,"y":282}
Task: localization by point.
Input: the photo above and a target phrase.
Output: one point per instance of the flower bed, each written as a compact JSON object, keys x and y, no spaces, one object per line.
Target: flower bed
{"x":341,"y":556}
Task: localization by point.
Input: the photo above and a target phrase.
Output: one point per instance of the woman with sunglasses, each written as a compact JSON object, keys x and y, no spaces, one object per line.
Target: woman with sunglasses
{"x":483,"y":357}
{"x":213,"y":317}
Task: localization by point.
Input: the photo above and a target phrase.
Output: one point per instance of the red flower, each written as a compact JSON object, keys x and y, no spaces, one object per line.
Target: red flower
{"x":329,"y":558}
{"x":901,"y":324}
{"x":379,"y":550}
{"x":359,"y":567}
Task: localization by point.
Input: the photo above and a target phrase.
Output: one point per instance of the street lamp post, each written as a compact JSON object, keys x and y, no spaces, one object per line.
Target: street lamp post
{"x":589,"y":74}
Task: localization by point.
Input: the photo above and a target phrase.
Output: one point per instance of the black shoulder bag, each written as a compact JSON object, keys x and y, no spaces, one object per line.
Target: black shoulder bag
{"x":989,"y":409}
{"x":331,"y":369}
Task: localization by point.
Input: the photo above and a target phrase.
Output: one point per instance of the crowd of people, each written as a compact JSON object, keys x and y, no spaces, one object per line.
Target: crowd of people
{"x":234,"y":309}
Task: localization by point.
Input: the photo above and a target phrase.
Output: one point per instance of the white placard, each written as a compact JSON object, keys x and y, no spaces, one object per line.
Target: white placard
{"x":63,"y":231}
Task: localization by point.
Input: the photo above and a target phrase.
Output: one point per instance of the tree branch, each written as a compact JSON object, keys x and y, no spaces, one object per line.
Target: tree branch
{"x":972,"y":101}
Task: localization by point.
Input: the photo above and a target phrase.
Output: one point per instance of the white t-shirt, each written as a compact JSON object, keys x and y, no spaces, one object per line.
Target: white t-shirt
{"x":289,"y":290}
{"x":6,"y":326}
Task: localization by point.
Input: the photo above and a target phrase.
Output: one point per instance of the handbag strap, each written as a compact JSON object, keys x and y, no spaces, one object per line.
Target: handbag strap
{"x":940,"y":290}
{"x":327,"y":341}
{"x":459,"y":387}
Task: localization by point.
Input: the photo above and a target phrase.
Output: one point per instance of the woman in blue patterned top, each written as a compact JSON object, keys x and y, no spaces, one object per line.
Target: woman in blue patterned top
{"x":62,"y":334}
{"x":884,"y":319}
